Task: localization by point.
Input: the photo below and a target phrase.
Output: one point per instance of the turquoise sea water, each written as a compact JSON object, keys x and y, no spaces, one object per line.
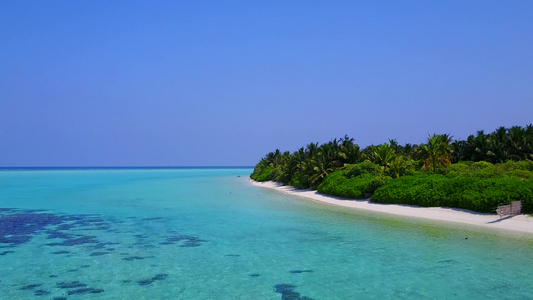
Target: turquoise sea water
{"x":209,"y":234}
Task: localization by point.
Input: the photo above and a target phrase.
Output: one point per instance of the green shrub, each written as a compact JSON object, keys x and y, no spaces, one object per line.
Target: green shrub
{"x":365,"y":167}
{"x":281,"y":174}
{"x":300,"y":181}
{"x":459,"y":168}
{"x":336,"y":184}
{"x":399,"y":167}
{"x":264,"y":175}
{"x":374,"y":184}
{"x":473,"y":193}
{"x":482,"y":169}
{"x":524,"y":174}
{"x":526,"y":165}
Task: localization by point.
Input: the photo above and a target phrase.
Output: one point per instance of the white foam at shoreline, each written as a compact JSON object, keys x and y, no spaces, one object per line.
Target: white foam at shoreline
{"x":520,"y":223}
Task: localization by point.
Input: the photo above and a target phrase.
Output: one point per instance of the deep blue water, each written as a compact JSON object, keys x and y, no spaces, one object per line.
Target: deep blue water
{"x":206,"y":233}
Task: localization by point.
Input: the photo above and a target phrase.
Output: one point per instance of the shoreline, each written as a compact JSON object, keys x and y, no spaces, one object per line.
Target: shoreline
{"x":520,"y":223}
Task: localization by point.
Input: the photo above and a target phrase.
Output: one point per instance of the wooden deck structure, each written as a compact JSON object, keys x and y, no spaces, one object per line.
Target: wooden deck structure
{"x":512,"y":209}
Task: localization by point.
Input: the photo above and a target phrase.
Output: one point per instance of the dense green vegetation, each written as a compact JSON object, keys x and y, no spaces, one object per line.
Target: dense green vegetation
{"x":479,"y":173}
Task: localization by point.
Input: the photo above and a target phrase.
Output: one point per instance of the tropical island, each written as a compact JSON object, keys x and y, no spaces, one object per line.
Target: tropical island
{"x":477,"y":174}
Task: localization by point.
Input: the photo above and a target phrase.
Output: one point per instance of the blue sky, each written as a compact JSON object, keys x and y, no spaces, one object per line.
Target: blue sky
{"x":199,"y":83}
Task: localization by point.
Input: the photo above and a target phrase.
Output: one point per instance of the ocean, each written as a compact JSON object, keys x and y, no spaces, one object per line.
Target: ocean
{"x":207,"y":233}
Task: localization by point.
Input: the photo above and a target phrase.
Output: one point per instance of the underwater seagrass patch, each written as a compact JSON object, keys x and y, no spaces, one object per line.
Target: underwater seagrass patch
{"x":20,"y":226}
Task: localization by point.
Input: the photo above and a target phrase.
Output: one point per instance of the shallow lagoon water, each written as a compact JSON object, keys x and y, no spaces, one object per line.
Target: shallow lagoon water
{"x":209,"y":234}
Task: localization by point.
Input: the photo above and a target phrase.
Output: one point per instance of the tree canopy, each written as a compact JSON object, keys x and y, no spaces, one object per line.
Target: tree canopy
{"x":355,"y":172}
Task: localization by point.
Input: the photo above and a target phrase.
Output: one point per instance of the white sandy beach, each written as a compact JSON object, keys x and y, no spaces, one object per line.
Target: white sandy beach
{"x":520,"y":223}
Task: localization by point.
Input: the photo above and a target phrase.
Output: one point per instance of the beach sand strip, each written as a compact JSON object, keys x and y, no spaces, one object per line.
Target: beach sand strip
{"x":520,"y":223}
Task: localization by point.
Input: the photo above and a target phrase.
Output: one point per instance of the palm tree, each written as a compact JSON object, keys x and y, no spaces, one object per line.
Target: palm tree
{"x":272,"y":158}
{"x":349,"y":152}
{"x":326,"y":161}
{"x":477,"y":147}
{"x":529,"y":141}
{"x":436,"y":152}
{"x":398,"y":165}
{"x":383,"y":155}
{"x":284,"y":168}
{"x":498,"y":146}
{"x":517,"y":142}
{"x":458,"y":151}
{"x":368,"y":153}
{"x":411,"y":151}
{"x":321,"y":169}
{"x":311,"y":149}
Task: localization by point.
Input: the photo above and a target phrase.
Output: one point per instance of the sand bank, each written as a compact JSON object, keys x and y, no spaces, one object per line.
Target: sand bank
{"x":520,"y":223}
